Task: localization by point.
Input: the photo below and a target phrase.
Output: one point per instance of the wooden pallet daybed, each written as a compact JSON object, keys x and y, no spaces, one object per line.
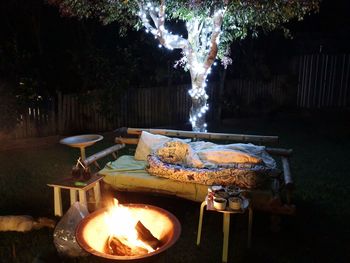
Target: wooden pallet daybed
{"x":276,"y":197}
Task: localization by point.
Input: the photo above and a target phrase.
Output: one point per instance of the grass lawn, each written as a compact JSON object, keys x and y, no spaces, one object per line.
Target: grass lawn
{"x":318,"y":233}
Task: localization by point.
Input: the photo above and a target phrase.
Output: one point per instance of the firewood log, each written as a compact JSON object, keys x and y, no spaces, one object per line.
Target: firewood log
{"x":146,"y":236}
{"x":116,"y":247}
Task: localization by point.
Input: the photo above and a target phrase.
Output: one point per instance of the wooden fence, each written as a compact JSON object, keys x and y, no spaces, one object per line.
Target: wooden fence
{"x":37,"y":120}
{"x":251,"y":91}
{"x":323,"y":81}
{"x":148,"y":107}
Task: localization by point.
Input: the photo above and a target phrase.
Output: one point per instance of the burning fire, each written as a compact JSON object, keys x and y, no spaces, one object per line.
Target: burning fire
{"x":128,"y":231}
{"x":127,"y":235}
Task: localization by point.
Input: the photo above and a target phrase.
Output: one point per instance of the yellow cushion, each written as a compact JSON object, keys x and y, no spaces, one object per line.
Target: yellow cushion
{"x":128,"y":174}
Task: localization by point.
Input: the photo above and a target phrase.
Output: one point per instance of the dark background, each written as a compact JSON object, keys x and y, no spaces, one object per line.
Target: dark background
{"x":42,"y":53}
{"x":48,"y":52}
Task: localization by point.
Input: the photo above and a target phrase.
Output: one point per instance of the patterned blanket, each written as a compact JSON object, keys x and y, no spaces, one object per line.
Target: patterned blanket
{"x":243,"y":175}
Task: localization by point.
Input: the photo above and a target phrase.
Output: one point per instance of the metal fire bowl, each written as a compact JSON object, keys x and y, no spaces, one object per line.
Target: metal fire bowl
{"x":168,"y":238}
{"x":80,"y":141}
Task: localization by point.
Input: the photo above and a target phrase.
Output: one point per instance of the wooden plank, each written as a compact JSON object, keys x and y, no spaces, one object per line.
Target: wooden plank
{"x":59,"y":112}
{"x":72,"y":106}
{"x":321,"y":78}
{"x":315,"y":86}
{"x":142,"y":109}
{"x":68,"y":108}
{"x":138,"y":111}
{"x":27,"y":120}
{"x":52,"y":115}
{"x":309,"y":88}
{"x":305,"y":66}
{"x":31,"y":117}
{"x":147,"y":109}
{"x":127,"y":115}
{"x":64,"y":113}
{"x":332,"y":87}
{"x":347,"y":88}
{"x":303,"y":82}
{"x":341,"y":89}
{"x":99,"y":118}
{"x":80,"y":114}
{"x":325,"y":82}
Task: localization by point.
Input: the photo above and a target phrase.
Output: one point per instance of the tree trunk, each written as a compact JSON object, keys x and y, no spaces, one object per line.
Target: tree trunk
{"x":199,"y":105}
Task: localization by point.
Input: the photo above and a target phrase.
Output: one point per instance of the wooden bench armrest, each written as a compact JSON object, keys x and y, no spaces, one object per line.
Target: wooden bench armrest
{"x":284,"y":154}
{"x":110,"y":150}
{"x":288,"y":180}
{"x":123,"y":140}
{"x":279,"y":151}
{"x":204,"y":135}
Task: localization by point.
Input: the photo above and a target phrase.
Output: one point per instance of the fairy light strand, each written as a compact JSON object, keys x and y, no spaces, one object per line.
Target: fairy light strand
{"x":196,"y":49}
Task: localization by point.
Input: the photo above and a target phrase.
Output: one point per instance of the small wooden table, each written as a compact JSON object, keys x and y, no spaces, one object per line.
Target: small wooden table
{"x":75,"y":186}
{"x":226,"y":223}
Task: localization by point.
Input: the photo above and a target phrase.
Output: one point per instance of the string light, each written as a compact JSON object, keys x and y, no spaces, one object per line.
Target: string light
{"x":194,"y":57}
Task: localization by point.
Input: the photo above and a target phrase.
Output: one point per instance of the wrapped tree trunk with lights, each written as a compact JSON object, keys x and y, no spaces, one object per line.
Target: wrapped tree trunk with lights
{"x":211,"y":27}
{"x":199,"y":51}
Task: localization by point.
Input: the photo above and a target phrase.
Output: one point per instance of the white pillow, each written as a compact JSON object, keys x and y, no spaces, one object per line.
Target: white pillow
{"x":178,"y":151}
{"x":148,"y":143}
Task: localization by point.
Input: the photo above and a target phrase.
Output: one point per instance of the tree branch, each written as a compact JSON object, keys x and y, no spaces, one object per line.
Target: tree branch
{"x":214,"y":40}
{"x":157,"y":15}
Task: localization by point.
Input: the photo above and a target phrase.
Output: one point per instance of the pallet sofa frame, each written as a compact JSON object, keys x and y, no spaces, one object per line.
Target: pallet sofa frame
{"x":277,"y":199}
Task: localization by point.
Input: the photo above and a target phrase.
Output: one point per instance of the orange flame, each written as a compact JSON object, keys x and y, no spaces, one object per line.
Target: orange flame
{"x":121,"y":222}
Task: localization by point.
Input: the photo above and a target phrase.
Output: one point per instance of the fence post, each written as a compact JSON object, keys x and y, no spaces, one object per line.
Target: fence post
{"x":59,"y":112}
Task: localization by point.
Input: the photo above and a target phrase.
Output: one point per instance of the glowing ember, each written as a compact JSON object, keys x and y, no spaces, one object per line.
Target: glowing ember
{"x":127,"y":234}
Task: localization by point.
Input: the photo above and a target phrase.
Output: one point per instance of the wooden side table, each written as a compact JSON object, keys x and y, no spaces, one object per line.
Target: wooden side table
{"x":226,"y":224}
{"x":76,"y":188}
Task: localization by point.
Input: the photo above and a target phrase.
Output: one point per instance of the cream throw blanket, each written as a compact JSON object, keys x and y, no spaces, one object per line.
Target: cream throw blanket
{"x":210,"y":155}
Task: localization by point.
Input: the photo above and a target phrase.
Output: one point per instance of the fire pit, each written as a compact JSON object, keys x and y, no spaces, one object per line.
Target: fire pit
{"x":158,"y":228}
